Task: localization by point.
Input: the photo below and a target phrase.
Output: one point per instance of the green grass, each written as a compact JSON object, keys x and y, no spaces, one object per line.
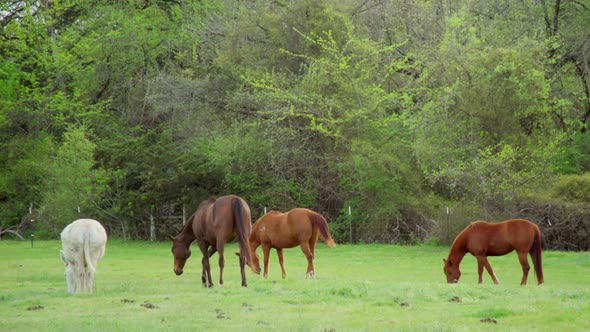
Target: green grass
{"x":358,"y":288}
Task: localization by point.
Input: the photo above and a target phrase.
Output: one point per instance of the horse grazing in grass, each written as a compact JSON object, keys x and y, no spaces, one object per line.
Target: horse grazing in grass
{"x":216,"y":222}
{"x":286,"y":230}
{"x":83,"y":244}
{"x":483,"y":239}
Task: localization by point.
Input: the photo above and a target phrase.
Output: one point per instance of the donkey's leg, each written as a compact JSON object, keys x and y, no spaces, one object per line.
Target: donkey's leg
{"x":484,"y":260}
{"x":266,"y":252}
{"x":307,"y":252}
{"x":282,"y":262}
{"x":524,"y":262}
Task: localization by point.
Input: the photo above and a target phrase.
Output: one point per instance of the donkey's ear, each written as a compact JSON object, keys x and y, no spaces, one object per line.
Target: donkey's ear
{"x":171,"y":238}
{"x":238,"y":254}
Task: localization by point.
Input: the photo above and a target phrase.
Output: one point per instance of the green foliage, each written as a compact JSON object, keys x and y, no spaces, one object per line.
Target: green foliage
{"x":575,"y":157}
{"x":70,"y":181}
{"x":23,"y":176}
{"x":572,"y":188}
{"x":395,"y":110}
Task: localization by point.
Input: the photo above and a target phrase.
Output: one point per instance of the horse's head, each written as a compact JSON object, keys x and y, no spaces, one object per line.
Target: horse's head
{"x":181,"y":252}
{"x":452,"y":271}
{"x":255,"y":263}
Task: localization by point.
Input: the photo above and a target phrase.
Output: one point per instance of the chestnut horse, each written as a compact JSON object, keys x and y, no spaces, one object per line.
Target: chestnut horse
{"x":216,"y":222}
{"x":482,"y":239}
{"x":286,"y":230}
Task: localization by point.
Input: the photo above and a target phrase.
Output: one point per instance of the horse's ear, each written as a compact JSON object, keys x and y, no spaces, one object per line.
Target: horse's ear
{"x":171,"y":238}
{"x":445,"y":261}
{"x":238,"y":254}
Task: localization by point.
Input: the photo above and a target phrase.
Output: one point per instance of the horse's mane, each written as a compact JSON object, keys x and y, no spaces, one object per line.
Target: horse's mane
{"x":187,"y":228}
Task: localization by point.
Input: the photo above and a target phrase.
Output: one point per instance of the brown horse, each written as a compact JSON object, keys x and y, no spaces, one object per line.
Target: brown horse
{"x":286,"y":230}
{"x":216,"y":222}
{"x":482,"y":239}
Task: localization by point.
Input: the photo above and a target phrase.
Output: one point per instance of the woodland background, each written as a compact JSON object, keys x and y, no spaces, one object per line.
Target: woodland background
{"x":418,"y":115}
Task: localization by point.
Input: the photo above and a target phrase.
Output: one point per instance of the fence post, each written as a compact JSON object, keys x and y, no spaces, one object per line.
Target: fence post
{"x":183,"y":214}
{"x":152,"y":228}
{"x":448,"y":227}
{"x":350,"y":223}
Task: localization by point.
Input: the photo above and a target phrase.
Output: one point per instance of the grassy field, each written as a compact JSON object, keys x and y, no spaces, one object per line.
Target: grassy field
{"x":357,"y":288}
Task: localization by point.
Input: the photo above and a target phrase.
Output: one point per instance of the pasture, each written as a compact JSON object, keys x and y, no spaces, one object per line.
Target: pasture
{"x":357,"y":288}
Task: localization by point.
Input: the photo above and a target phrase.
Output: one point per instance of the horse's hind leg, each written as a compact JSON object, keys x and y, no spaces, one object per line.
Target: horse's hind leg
{"x":243,"y":271}
{"x":307,"y":252}
{"x":282,"y":262}
{"x":221,"y":251}
{"x":524,"y":262}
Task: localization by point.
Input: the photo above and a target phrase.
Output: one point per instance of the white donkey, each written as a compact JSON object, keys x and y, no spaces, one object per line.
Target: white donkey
{"x":83,"y":244}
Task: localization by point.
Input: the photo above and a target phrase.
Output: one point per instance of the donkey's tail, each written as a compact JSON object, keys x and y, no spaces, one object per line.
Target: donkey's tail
{"x":321,"y":223}
{"x":536,"y":253}
{"x":243,"y":233}
{"x":88,"y":267}
{"x":88,"y":257}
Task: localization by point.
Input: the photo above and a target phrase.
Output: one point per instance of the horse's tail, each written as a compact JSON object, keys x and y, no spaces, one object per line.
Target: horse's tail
{"x":320,"y":222}
{"x":243,"y":235}
{"x":536,"y":253}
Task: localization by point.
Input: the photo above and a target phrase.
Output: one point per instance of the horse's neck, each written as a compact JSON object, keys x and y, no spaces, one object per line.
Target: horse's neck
{"x":186,"y":234}
{"x":458,"y":249}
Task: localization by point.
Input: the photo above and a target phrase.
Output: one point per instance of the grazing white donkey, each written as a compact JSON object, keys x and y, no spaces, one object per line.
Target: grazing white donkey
{"x":83,"y":244}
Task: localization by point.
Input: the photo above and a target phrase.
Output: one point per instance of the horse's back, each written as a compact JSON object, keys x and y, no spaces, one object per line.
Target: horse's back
{"x":280,"y":229}
{"x":500,"y":238}
{"x":215,"y":218}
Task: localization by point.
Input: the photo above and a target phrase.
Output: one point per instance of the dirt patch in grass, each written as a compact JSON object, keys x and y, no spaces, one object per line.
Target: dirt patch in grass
{"x":149,"y":305}
{"x":35,"y":307}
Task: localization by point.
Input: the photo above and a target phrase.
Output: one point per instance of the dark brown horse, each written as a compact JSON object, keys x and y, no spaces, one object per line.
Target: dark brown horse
{"x":216,"y":222}
{"x":482,"y":239}
{"x":298,"y":227}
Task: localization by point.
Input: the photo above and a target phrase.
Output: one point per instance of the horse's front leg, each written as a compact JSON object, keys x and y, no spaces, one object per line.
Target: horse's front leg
{"x":483,"y":260}
{"x":206,"y":278}
{"x":266,"y":252}
{"x":206,"y":274}
{"x":524,"y":262}
{"x":480,"y":268}
{"x":282,"y":262}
